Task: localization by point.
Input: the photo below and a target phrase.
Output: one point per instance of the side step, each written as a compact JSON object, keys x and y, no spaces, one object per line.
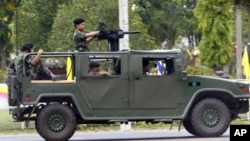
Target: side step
{"x":121,"y":121}
{"x":167,"y":121}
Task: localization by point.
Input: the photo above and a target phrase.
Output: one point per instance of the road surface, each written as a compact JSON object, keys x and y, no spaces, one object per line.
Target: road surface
{"x":155,"y":135}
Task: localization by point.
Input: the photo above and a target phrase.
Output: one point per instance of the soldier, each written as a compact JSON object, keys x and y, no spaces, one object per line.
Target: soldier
{"x":38,"y":71}
{"x":81,"y":38}
{"x":94,"y":70}
{"x":145,"y":67}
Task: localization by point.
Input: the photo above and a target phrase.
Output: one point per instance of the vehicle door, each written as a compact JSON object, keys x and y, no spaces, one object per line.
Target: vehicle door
{"x":159,"y":88}
{"x":105,"y":92}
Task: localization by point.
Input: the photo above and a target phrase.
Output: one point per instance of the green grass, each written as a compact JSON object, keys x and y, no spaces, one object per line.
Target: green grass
{"x":242,"y":120}
{"x":7,"y":126}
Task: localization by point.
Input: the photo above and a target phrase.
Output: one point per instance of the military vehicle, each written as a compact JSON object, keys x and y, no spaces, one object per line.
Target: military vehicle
{"x":205,"y":105}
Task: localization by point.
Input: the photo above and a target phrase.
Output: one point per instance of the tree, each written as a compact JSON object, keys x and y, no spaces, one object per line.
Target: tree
{"x":143,"y":40}
{"x":168,"y":20}
{"x":7,"y":9}
{"x":190,"y":23}
{"x":246,"y":4}
{"x":214,"y":21}
{"x":35,"y":20}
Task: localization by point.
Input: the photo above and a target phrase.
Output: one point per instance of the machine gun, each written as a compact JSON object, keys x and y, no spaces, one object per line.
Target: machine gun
{"x":112,"y":36}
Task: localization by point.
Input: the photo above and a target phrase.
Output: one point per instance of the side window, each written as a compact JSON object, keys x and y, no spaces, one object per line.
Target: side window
{"x":104,"y":65}
{"x":61,"y":68}
{"x":50,"y":68}
{"x":158,"y":66}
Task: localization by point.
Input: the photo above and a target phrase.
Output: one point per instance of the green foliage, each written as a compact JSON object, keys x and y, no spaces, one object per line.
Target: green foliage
{"x":97,"y":127}
{"x":243,"y":120}
{"x":168,"y":20}
{"x":7,"y":8}
{"x":2,"y":76}
{"x":199,"y":71}
{"x":244,"y":2}
{"x":151,"y":126}
{"x":245,"y":21}
{"x":143,"y":40}
{"x":215,"y":23}
{"x":35,"y":20}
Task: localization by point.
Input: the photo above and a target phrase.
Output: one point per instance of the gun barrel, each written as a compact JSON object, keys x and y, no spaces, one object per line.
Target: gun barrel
{"x":131,"y":32}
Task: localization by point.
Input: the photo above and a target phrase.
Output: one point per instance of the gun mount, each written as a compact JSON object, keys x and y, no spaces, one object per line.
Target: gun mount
{"x":112,"y":36}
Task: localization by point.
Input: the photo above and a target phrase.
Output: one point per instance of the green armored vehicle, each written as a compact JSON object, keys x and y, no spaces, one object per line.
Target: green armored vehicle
{"x":205,"y":105}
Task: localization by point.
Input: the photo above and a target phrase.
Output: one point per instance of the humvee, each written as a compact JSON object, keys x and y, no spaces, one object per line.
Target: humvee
{"x":205,"y":105}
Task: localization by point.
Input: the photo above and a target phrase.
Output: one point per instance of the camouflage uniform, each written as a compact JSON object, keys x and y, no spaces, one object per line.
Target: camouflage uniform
{"x":80,"y":41}
{"x":39,"y":72}
{"x":18,"y":63}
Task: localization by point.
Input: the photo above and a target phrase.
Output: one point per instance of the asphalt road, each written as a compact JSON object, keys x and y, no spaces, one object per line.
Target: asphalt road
{"x":155,"y":135}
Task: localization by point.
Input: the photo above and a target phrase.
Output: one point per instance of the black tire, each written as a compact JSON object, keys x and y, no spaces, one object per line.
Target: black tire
{"x":209,"y":118}
{"x":189,"y":127}
{"x":56,"y":122}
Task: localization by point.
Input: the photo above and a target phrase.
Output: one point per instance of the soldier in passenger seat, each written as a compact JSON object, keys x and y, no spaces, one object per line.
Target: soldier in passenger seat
{"x":94,"y":70}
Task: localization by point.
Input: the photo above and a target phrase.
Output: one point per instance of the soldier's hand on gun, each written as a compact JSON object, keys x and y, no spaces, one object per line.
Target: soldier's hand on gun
{"x":40,"y":52}
{"x":102,"y":31}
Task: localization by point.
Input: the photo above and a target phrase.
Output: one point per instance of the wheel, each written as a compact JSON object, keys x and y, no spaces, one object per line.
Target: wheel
{"x":188,"y":126}
{"x":56,"y":122}
{"x":209,"y":118}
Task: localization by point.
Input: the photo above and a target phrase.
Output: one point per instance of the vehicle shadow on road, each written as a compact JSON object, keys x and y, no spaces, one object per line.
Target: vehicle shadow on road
{"x":182,"y":138}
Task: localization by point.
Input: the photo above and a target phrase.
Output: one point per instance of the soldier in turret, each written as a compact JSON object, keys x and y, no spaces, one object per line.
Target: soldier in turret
{"x":81,"y":37}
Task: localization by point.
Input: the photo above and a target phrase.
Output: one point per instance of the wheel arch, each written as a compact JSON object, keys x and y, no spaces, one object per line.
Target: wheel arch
{"x":66,"y":99}
{"x":221,"y":94}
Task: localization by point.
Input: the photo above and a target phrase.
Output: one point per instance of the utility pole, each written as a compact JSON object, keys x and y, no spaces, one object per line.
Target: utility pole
{"x":124,"y":42}
{"x":123,"y":23}
{"x":238,"y":39}
{"x":17,"y":2}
